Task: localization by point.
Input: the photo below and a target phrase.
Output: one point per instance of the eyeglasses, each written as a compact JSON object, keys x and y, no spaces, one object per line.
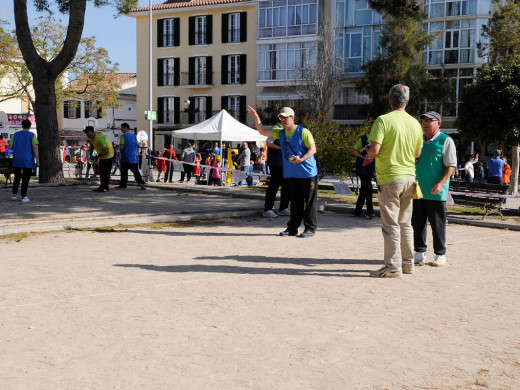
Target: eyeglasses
{"x":428,"y":120}
{"x":281,"y":118}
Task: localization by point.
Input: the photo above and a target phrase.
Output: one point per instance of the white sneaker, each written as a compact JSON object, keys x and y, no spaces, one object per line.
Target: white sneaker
{"x":269,"y":214}
{"x":14,"y":197}
{"x":419,"y":258}
{"x":439,"y":261}
{"x":25,"y":199}
{"x":284,"y":212}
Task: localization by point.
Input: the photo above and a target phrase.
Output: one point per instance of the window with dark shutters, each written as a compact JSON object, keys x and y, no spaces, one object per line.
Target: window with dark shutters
{"x":191,"y":71}
{"x":224,"y":103}
{"x":177,"y":71}
{"x":209,"y":107}
{"x":191,"y":110}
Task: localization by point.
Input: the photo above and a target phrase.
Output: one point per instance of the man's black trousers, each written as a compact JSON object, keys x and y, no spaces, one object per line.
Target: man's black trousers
{"x":303,"y":195}
{"x":124,"y":173}
{"x":276,"y":180}
{"x":105,"y":167}
{"x":434,"y":211}
{"x":365,"y":194}
{"x":23,"y":174}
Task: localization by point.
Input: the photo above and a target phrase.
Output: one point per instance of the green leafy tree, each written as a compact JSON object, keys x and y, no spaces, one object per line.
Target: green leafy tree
{"x":400,"y":60}
{"x":333,"y":144}
{"x":45,"y":72}
{"x":502,"y":34}
{"x":491,"y":110}
{"x":90,"y":75}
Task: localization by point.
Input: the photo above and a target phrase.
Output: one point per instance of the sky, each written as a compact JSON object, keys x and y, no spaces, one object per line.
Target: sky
{"x":116,"y":35}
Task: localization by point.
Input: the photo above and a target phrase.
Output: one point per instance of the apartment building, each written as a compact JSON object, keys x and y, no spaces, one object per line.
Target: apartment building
{"x":458,"y":25}
{"x":204,"y":60}
{"x":286,"y":43}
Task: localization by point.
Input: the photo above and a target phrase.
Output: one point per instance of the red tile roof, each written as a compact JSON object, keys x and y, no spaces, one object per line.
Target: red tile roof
{"x":184,"y":4}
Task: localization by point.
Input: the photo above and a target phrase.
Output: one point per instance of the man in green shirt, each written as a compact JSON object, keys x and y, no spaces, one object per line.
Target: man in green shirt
{"x":105,"y":155}
{"x":395,"y":142}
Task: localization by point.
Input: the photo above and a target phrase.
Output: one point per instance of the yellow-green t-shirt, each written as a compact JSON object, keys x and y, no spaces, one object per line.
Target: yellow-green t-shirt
{"x":100,"y":142}
{"x":400,"y":135}
{"x":307,"y":137}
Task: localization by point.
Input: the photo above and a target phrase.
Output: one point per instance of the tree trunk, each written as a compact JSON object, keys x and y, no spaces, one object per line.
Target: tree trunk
{"x":44,"y":76}
{"x":514,"y":170}
{"x":51,"y":166}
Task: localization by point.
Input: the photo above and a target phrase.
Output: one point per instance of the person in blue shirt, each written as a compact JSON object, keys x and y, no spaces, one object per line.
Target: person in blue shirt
{"x":299,"y":168}
{"x":25,"y":159}
{"x":129,"y":150}
{"x":495,"y":166}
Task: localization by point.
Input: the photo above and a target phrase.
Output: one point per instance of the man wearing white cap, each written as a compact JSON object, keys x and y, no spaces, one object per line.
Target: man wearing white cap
{"x":299,"y":168}
{"x":434,"y":168}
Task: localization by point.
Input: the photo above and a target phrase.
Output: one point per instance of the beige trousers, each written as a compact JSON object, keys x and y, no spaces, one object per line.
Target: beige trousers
{"x":395,"y":205}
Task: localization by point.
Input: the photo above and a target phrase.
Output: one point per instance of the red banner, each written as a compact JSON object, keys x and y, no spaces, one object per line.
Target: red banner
{"x":16,"y":119}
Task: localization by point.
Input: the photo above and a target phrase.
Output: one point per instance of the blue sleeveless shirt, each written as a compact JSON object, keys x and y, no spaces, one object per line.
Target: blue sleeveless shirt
{"x":130,"y":149}
{"x":23,"y":156}
{"x":295,"y":146}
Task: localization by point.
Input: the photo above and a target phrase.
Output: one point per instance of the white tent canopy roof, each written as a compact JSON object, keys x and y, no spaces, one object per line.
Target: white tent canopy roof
{"x":220,"y":127}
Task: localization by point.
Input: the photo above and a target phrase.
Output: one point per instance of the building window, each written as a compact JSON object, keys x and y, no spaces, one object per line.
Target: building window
{"x":285,"y":61}
{"x":92,"y":110}
{"x":235,"y":106}
{"x":234,"y":69}
{"x":200,"y":71}
{"x":234,"y":27}
{"x":168,"y":71}
{"x":287,"y":18}
{"x":168,"y":110}
{"x":168,"y":32}
{"x":200,"y":30}
{"x":200,"y":108}
{"x":72,"y":109}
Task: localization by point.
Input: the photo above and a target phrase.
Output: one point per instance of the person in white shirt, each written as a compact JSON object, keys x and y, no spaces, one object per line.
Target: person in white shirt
{"x":469,"y":168}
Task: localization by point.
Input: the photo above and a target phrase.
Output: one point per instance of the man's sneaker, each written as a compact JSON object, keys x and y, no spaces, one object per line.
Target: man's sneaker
{"x":408,"y":268}
{"x":269,"y":214}
{"x":103,"y":189}
{"x":285,"y":212}
{"x":287,"y":232}
{"x":14,"y":197}
{"x":307,"y":233}
{"x":118,"y":187}
{"x":25,"y":199}
{"x":386,"y":272}
{"x":371,"y":216}
{"x":143,"y":187}
{"x":438,"y":260}
{"x":419,"y":258}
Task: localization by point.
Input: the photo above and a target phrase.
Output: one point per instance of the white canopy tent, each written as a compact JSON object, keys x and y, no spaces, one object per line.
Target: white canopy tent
{"x":220,"y":127}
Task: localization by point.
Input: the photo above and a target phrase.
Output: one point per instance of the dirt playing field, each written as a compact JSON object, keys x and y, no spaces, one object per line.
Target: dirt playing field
{"x":230,"y":305}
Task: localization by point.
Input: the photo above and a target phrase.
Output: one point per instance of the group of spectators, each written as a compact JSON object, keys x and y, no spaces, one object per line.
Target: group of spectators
{"x":499,"y":171}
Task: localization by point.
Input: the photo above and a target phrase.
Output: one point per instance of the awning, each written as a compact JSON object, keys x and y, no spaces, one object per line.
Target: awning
{"x":278,"y":95}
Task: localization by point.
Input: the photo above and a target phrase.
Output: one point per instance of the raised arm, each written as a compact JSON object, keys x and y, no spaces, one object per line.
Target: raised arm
{"x":258,"y":123}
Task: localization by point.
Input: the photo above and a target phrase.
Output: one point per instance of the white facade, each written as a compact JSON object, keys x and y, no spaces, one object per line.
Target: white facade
{"x":74,"y":115}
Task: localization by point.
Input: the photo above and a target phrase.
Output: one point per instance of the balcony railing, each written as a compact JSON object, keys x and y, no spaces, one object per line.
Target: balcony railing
{"x":202,"y":80}
{"x":350,"y":111}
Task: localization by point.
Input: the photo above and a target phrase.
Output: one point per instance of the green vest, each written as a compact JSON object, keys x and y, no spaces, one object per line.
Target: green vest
{"x":430,"y":168}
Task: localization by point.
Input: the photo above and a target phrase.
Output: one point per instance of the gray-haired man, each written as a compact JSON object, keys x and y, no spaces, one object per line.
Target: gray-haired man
{"x":395,"y":142}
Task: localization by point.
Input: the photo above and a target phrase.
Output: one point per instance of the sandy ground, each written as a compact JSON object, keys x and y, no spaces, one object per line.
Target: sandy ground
{"x":230,"y":305}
